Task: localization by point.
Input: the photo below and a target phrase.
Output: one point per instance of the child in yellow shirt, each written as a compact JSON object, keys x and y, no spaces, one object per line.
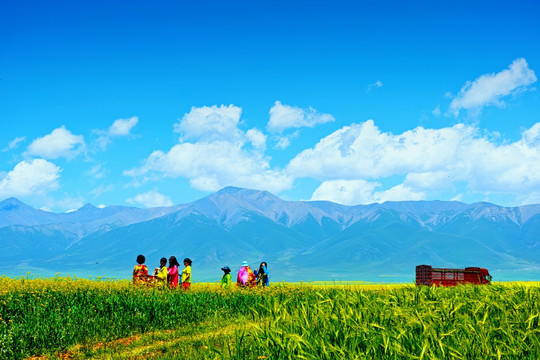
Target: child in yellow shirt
{"x":186,"y":274}
{"x":161,"y":273}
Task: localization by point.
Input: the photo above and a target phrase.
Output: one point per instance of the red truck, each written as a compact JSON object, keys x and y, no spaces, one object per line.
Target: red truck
{"x":427,"y":275}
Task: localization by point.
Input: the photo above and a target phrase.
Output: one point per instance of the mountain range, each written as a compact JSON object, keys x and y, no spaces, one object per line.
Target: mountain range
{"x":300,"y":240}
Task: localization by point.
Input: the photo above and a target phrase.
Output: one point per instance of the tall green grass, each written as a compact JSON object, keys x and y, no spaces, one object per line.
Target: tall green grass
{"x":36,"y":320}
{"x":286,"y":321}
{"x":466,"y":322}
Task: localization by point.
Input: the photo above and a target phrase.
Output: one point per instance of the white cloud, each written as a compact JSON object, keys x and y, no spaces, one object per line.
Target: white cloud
{"x":256,"y":138}
{"x":283,"y":142}
{"x":400,"y":192}
{"x":362,"y":151}
{"x":285,"y":117}
{"x":122,"y":127}
{"x":150,"y":199}
{"x":429,"y":159}
{"x":213,"y":153}
{"x":441,"y":179}
{"x":212,"y":166}
{"x":354,"y":192}
{"x":351,"y":162}
{"x":210,"y":123}
{"x":531,"y":137}
{"x":347,"y":192}
{"x":59,"y":143}
{"x":33,"y":177}
{"x":488,"y":89}
{"x":14,"y":143}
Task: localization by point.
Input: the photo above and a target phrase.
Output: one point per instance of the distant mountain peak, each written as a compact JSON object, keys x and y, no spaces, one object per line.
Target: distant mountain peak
{"x":87,"y":207}
{"x":11,"y":200}
{"x":12,"y":203}
{"x":233,"y":190}
{"x":230,"y":190}
{"x":248,"y":195}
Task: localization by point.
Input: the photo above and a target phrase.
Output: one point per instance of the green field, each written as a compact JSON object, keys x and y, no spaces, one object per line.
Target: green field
{"x":96,"y":319}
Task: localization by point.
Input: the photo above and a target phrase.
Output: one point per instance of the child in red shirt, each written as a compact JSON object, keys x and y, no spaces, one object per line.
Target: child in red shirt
{"x":140,"y":271}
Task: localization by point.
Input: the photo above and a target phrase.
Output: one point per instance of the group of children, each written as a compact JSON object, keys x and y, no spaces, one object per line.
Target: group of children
{"x":163,"y":276}
{"x":246,"y":277}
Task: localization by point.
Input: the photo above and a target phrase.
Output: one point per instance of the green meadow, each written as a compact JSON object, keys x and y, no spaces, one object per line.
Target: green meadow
{"x":65,"y":318}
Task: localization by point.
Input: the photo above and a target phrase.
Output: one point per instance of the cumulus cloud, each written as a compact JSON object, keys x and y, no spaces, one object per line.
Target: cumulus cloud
{"x":362,"y":151}
{"x":352,"y":162}
{"x":59,"y":143}
{"x":284,"y":117}
{"x":210,"y":123}
{"x":119,"y":128}
{"x":122,"y":127}
{"x":489,"y":89}
{"x":283,"y":142}
{"x":347,"y":192}
{"x":214,"y":152}
{"x":212,"y":166}
{"x":33,"y":177}
{"x":150,"y":199}
{"x":354,"y":192}
{"x":256,"y":138}
{"x":428,"y":159}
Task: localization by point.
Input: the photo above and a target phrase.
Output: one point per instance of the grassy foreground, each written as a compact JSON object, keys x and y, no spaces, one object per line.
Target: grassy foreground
{"x":84,"y":319}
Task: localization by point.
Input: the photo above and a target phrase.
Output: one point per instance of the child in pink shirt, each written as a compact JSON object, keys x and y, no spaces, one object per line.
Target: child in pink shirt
{"x":172,"y":273}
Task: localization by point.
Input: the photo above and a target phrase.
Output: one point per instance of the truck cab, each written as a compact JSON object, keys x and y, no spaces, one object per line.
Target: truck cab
{"x":476,"y":275}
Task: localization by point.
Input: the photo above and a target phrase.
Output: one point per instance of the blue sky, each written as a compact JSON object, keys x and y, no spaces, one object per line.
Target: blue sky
{"x":157,"y":103}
